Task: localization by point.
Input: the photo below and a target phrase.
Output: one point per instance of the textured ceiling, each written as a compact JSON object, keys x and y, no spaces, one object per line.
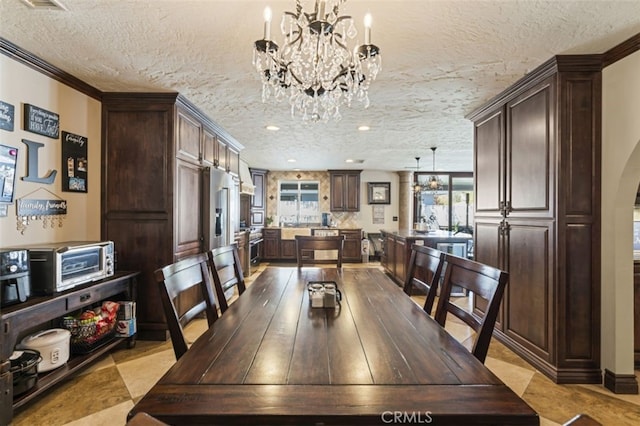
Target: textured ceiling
{"x":441,"y":59}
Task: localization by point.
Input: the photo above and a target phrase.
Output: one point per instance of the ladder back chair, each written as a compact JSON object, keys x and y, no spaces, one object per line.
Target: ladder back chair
{"x":307,"y":243}
{"x":425,"y":270}
{"x":187,"y":279}
{"x":227,"y":273}
{"x":484,"y":281}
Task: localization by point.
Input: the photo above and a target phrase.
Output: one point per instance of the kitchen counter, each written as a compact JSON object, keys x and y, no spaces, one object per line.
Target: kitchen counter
{"x":396,"y":251}
{"x":431,"y":235}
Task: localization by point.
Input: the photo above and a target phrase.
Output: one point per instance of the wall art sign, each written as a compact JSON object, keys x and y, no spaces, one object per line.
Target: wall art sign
{"x":74,"y":162}
{"x":49,"y":211}
{"x":6,"y":116}
{"x":40,"y":121}
{"x":32,"y":164}
{"x":8,"y":161}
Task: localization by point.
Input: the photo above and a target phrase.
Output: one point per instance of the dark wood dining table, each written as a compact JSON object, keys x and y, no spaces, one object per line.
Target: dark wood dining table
{"x":375,"y":359}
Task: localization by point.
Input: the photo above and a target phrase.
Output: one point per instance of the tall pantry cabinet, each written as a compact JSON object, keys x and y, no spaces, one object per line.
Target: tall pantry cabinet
{"x":157,"y":149}
{"x":537,"y":214}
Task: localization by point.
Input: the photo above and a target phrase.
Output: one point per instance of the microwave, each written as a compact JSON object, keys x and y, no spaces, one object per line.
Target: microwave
{"x":61,"y":266}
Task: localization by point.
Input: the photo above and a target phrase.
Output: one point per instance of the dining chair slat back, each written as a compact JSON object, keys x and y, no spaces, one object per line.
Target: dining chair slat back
{"x":425,"y":270}
{"x":309,"y":243}
{"x":483,"y":281}
{"x":189,"y":277}
{"x":226,"y":270}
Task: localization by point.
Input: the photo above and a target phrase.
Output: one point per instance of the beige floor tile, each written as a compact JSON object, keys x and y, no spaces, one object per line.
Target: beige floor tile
{"x":113,"y":416}
{"x":515,"y":377}
{"x":142,"y":373}
{"x":77,"y":398}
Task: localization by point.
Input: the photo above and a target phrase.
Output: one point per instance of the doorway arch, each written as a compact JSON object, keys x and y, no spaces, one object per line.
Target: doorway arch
{"x":620,"y":179}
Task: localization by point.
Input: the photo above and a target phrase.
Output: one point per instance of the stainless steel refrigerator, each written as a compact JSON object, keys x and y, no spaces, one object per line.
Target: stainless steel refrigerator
{"x":223,"y":205}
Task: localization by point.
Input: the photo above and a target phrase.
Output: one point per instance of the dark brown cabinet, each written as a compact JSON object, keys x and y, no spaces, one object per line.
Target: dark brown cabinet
{"x":259,"y":198}
{"x":345,"y":190}
{"x":156,"y":149}
{"x":537,"y":177}
{"x":352,"y":251}
{"x":271,"y":239}
{"x":288,"y":250}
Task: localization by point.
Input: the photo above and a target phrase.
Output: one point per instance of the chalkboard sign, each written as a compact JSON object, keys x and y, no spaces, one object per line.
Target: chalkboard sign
{"x":6,"y":116}
{"x":75,"y":166}
{"x":41,"y":121}
{"x":35,"y":207}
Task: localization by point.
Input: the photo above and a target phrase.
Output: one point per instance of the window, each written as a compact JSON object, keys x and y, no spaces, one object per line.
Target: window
{"x":298,"y":203}
{"x":449,"y":206}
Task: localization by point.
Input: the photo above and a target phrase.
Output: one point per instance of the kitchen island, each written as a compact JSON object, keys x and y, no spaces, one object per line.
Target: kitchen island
{"x":396,"y":247}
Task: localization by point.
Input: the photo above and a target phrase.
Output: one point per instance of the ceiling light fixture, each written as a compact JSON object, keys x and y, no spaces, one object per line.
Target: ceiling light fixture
{"x":314,"y":68}
{"x":273,"y":128}
{"x":433,"y":183}
{"x":364,"y":128}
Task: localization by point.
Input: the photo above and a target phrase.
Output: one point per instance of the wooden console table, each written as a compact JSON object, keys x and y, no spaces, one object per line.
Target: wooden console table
{"x":17,"y":320}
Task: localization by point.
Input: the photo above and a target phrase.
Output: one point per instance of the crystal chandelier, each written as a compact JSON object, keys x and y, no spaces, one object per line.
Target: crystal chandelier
{"x":315,"y":69}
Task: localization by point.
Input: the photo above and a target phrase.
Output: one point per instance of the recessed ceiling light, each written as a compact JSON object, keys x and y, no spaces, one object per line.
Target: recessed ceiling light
{"x":291,"y":160}
{"x":364,"y":128}
{"x":349,"y":160}
{"x":273,"y":128}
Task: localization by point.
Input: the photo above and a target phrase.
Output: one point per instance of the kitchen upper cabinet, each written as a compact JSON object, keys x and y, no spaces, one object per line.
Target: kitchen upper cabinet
{"x":221,"y":159}
{"x":259,"y":197}
{"x":188,"y":142}
{"x":537,"y":214}
{"x":233,"y":161}
{"x":345,"y":190}
{"x":209,"y":148}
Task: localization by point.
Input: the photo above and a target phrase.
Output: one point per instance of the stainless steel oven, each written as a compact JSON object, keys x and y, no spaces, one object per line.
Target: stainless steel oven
{"x":255,"y":251}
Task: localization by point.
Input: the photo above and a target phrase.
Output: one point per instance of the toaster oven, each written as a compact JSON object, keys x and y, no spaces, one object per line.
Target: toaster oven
{"x":60,"y":266}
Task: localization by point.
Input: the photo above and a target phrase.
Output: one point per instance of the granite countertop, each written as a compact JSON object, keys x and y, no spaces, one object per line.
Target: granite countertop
{"x":412,"y":234}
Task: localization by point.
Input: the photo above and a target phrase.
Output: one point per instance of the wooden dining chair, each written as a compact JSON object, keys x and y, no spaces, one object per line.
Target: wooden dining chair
{"x":309,"y":243}
{"x":425,"y":270}
{"x":226,"y":270}
{"x":484,"y":281}
{"x":186,"y":292}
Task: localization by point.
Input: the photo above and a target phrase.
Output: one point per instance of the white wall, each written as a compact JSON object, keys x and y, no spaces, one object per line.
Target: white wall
{"x":620,"y":178}
{"x":390,"y":210}
{"x":79,"y":114}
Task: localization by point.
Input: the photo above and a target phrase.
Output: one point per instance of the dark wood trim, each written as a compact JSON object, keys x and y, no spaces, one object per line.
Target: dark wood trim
{"x":558,"y":63}
{"x":207,"y":122}
{"x":32,"y":61}
{"x":621,"y":51}
{"x":620,"y":383}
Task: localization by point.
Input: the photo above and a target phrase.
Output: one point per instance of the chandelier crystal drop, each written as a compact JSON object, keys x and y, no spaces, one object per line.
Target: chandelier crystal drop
{"x":314,"y":68}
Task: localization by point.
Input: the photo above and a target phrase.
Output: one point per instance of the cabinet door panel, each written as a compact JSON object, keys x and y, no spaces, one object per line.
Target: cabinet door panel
{"x":489,"y":163}
{"x":133,"y":145}
{"x":530,"y":137}
{"x":352,"y":197}
{"x":529,"y":294}
{"x":288,"y":249}
{"x":488,"y":249}
{"x":209,"y":147}
{"x":188,"y":143}
{"x":188,"y":216}
{"x":338,"y":190}
{"x":258,"y":198}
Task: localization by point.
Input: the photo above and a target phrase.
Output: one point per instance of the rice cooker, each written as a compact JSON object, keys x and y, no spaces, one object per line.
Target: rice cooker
{"x":53,"y":346}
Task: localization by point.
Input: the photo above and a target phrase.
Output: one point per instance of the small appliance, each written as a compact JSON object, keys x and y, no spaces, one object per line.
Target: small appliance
{"x":61,"y":266}
{"x":15,"y":286}
{"x":326,"y":219}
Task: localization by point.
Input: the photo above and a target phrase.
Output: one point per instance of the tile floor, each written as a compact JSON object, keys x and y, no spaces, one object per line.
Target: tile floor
{"x":105,"y":392}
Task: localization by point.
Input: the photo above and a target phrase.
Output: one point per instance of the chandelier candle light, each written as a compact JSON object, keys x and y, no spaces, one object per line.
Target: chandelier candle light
{"x":315,"y":68}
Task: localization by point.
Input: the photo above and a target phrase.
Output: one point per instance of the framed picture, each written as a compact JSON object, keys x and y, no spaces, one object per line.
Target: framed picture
{"x":379,"y":192}
{"x":8,"y":161}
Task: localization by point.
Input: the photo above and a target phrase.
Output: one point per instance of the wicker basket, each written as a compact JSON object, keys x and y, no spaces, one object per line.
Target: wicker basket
{"x":88,"y":335}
